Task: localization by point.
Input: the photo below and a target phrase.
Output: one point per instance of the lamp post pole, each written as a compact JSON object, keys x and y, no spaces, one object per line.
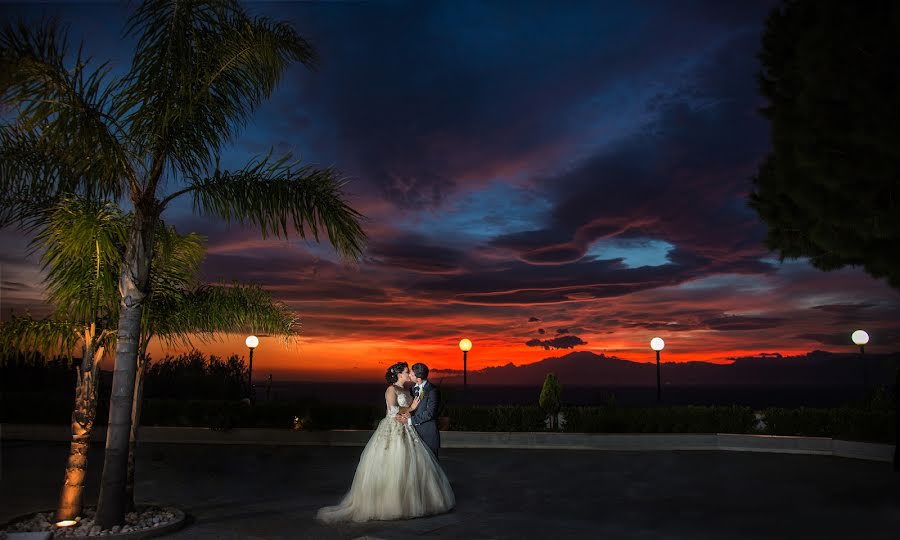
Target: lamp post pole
{"x":465,"y":346}
{"x":657,"y":345}
{"x":862,"y":360}
{"x":250,"y":376}
{"x":465,"y":370}
{"x":860,"y":338}
{"x":252,"y":342}
{"x":658,"y":384}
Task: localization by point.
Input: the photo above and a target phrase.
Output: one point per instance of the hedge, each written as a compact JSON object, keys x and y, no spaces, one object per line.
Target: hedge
{"x":876,"y":424}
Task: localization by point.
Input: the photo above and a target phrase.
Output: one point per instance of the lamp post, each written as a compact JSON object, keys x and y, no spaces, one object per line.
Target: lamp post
{"x":252,"y":342}
{"x":465,"y":346}
{"x":657,"y":345}
{"x":860,"y":338}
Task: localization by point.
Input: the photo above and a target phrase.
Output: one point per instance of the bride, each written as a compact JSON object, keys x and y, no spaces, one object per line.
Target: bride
{"x":397,"y":477}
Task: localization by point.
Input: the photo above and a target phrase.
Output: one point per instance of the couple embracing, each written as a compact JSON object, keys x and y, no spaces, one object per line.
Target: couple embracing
{"x":398,"y":476}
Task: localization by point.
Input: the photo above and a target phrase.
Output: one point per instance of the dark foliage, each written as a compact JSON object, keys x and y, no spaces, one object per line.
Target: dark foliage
{"x":830,"y":188}
{"x":195,"y":376}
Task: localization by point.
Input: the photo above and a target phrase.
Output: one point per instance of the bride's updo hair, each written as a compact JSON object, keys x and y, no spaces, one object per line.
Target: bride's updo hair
{"x":393,"y":372}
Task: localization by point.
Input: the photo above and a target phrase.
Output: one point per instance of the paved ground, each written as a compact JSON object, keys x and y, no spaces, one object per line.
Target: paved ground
{"x":252,"y":492}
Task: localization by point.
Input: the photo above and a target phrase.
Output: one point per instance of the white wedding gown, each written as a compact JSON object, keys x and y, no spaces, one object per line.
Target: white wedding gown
{"x":397,"y":477}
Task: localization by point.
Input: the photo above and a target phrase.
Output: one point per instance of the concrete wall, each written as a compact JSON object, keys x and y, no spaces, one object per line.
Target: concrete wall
{"x":470,"y":439}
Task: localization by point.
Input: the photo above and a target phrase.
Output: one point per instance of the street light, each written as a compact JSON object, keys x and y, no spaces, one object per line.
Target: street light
{"x":252,"y":342}
{"x":465,"y":346}
{"x":860,"y":338}
{"x":657,"y":345}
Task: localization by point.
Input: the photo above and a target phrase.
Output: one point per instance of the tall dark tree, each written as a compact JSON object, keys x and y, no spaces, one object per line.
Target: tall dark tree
{"x":551,"y":399}
{"x":829,"y":189}
{"x":199,"y":71}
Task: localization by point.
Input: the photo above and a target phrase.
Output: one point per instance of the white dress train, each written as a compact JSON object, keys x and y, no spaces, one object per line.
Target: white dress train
{"x":397,"y":477}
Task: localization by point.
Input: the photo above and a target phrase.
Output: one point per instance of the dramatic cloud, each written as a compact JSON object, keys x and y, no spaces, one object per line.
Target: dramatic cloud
{"x":414,"y":254}
{"x":825,"y":339}
{"x":736,"y":322}
{"x":563,"y":342}
{"x":595,"y":183}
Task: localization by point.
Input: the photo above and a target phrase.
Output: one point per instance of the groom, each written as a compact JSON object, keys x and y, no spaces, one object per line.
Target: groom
{"x":424,"y":418}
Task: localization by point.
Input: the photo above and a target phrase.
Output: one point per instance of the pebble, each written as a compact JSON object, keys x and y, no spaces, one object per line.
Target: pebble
{"x":148,"y":518}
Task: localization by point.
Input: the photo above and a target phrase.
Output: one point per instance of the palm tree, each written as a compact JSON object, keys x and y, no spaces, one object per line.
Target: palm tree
{"x":199,"y":71}
{"x":26,"y":333}
{"x":180,"y":309}
{"x":82,"y":244}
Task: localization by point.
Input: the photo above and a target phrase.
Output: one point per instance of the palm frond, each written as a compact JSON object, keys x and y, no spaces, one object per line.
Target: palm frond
{"x":63,"y":111}
{"x":278,"y":197}
{"x":210,"y":311}
{"x":176,"y":261}
{"x":200,"y":69}
{"x":32,"y":173}
{"x":83,"y":245}
{"x":175,"y":269}
{"x":29,"y":335}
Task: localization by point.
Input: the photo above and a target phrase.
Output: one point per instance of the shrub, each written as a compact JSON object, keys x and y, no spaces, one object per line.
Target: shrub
{"x":498,"y":418}
{"x":850,"y":423}
{"x":874,"y":425}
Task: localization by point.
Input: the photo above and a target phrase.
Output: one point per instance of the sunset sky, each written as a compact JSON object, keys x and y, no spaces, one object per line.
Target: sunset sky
{"x":537,"y":177}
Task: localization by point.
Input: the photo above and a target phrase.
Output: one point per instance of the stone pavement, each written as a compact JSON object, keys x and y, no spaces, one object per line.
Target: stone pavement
{"x":272,"y":492}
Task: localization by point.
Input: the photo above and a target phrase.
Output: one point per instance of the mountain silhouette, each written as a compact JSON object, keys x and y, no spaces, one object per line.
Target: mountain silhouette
{"x":584,"y":368}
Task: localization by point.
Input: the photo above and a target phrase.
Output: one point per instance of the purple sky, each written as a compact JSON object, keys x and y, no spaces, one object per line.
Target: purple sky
{"x":581,"y":163}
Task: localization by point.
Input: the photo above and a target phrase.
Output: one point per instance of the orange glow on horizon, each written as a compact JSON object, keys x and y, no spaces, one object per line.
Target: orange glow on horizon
{"x":366,"y":359}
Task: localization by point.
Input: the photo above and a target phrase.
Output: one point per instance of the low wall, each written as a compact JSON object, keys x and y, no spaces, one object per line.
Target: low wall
{"x":470,"y":439}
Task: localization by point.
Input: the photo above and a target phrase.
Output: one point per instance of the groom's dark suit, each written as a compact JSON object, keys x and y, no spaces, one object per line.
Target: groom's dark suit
{"x":424,"y":418}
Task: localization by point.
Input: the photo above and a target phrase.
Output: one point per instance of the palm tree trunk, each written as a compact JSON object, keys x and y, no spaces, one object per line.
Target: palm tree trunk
{"x":135,"y":424}
{"x":133,"y":285}
{"x":83,"y":415}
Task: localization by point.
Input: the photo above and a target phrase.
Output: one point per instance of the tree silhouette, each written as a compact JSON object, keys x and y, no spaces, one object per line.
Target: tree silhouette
{"x":550,"y":400}
{"x":829,"y":189}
